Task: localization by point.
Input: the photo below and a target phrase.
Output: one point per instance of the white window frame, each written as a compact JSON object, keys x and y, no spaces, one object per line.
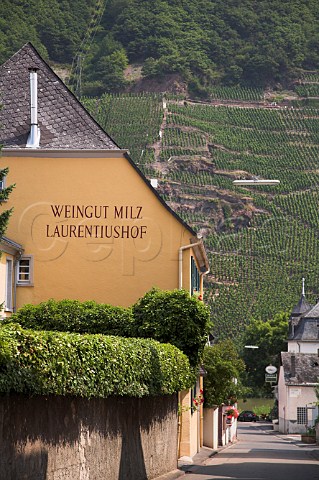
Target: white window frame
{"x":302,"y":416}
{"x":20,"y":281}
{"x":8,"y":304}
{"x":3,"y":183}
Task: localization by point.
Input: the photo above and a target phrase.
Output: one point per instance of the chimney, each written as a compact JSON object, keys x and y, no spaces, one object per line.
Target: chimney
{"x":293,"y":366}
{"x":34,"y":135}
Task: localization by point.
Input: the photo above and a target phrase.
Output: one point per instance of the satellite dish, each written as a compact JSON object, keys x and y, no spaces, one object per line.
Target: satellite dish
{"x":271,"y":369}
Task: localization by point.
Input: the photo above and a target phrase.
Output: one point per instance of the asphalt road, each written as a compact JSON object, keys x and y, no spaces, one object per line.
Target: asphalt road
{"x":260,"y":454}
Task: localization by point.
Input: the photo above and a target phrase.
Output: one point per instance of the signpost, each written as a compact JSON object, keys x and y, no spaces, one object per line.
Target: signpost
{"x":271,"y":374}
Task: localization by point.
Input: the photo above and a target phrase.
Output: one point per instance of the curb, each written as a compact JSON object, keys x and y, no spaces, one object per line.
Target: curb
{"x":171,"y":475}
{"x":204,"y":454}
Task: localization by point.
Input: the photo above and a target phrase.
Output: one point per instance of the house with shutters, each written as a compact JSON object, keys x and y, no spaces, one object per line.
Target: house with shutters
{"x":86,"y":223}
{"x":299,"y":370}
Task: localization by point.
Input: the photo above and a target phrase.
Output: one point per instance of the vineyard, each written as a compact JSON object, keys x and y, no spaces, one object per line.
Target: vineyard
{"x":260,"y":240}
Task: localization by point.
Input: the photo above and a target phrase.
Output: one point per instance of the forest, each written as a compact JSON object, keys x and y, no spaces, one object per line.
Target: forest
{"x":205,"y":42}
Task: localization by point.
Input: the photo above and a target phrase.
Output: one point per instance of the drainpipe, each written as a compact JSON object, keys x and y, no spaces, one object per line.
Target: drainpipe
{"x":15,"y":275}
{"x":34,"y":135}
{"x":180,"y":261}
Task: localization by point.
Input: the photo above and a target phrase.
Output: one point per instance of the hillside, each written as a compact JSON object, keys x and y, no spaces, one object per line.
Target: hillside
{"x":261,"y":240}
{"x":238,"y":56}
{"x":110,"y":45}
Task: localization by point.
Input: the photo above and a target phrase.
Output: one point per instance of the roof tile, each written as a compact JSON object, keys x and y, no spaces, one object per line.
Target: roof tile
{"x":300,"y":368}
{"x":58,"y":109}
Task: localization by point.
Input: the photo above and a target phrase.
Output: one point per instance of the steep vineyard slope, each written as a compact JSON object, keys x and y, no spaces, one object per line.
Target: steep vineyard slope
{"x":261,"y":240}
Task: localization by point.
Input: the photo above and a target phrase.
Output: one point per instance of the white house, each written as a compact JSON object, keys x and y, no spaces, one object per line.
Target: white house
{"x":299,"y":371}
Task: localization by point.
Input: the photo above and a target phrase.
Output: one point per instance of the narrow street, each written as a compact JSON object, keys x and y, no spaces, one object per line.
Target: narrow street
{"x":260,"y":453}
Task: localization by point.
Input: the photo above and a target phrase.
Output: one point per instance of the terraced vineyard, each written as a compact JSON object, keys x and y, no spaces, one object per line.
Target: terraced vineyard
{"x":261,"y":240}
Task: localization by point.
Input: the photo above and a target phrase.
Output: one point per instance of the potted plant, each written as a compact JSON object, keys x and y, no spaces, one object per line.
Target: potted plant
{"x":309,"y":436}
{"x":231,"y":413}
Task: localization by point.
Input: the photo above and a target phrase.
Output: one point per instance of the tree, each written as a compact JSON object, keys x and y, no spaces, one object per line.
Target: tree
{"x":173,"y":316}
{"x":271,"y":339}
{"x":224,"y":367}
{"x":4,"y":195}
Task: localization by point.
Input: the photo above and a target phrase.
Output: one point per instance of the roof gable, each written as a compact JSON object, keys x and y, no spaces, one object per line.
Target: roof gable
{"x":64,"y":123}
{"x":306,"y":330}
{"x":313,"y":313}
{"x":302,"y":307}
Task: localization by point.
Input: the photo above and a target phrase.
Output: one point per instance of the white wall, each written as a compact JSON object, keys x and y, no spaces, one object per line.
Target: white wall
{"x":290,"y":397}
{"x":303,"y":347}
{"x":211,"y":427}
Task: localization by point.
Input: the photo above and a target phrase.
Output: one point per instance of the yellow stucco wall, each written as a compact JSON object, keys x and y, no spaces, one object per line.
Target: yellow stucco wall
{"x":189,"y":425}
{"x":56,"y":204}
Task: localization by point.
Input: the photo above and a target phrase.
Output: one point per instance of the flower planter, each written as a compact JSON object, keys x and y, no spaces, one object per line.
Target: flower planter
{"x":308,"y":438}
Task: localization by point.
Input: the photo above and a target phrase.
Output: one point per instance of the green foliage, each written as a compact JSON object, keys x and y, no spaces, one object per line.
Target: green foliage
{"x":166,"y":316}
{"x":4,"y":195}
{"x":205,"y":42}
{"x":43,"y":362}
{"x":109,"y":62}
{"x":271,"y":338}
{"x":175,"y":317}
{"x":75,"y":316}
{"x":222,"y":364}
{"x":56,"y":28}
{"x":133,"y":120}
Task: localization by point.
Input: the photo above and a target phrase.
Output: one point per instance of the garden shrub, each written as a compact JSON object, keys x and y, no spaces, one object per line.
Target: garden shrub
{"x":75,"y":316}
{"x":46,"y":362}
{"x":175,"y":317}
{"x":166,"y":316}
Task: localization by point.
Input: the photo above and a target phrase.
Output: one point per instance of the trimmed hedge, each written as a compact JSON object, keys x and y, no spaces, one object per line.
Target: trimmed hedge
{"x":44,"y":362}
{"x":77,"y":317}
{"x":167,"y":316}
{"x":174,"y":316}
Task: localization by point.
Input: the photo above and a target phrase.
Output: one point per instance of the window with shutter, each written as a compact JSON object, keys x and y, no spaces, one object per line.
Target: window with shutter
{"x":195,"y":278}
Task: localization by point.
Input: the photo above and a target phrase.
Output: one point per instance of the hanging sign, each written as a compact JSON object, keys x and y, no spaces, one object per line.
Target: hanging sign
{"x":271,"y":369}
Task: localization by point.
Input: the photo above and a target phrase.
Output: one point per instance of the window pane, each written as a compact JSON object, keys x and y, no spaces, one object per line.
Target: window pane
{"x":195,"y":278}
{"x":24,"y":270}
{"x":302,"y":416}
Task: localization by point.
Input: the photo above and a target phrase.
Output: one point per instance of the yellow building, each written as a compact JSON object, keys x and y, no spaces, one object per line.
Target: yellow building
{"x":91,"y":225}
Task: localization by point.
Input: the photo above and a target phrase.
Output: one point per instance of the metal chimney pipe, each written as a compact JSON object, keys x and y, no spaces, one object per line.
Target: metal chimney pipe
{"x":34,"y":135}
{"x":293,"y":366}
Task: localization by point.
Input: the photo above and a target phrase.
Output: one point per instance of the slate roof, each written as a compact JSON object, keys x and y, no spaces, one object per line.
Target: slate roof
{"x":307,"y":330}
{"x":304,"y":371}
{"x":313,"y":312}
{"x":302,"y":307}
{"x":64,"y":123}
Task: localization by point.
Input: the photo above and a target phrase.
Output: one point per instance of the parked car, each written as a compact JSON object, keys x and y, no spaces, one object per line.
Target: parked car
{"x":247,"y":416}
